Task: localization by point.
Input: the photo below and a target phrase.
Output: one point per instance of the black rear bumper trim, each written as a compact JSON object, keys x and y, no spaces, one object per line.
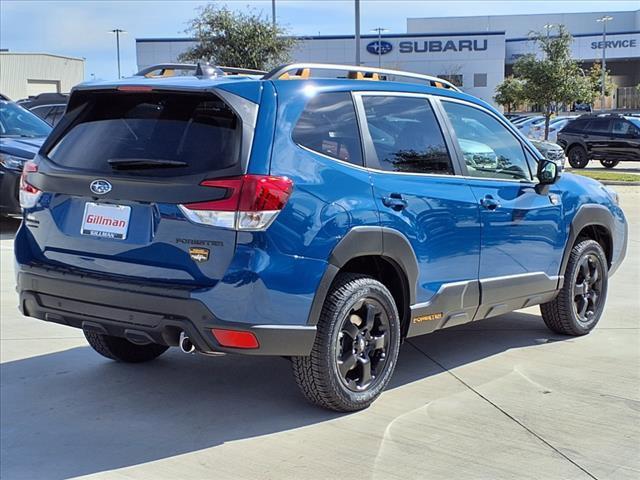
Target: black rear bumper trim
{"x":134,"y":312}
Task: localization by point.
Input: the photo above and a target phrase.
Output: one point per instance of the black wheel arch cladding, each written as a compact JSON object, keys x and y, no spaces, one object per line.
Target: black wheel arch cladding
{"x":366,"y":241}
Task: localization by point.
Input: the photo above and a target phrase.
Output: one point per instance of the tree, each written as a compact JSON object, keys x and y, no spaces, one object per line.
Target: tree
{"x":234,"y":39}
{"x":595,"y":75}
{"x":510,"y":93}
{"x":554,"y":78}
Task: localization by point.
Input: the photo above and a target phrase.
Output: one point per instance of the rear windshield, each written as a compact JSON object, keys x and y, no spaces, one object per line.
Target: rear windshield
{"x":150,"y":134}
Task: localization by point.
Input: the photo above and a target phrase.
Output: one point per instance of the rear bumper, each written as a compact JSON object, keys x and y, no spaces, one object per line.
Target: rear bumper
{"x":143,"y":313}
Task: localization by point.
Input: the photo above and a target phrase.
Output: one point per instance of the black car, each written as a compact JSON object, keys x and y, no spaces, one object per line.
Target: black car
{"x":48,"y":106}
{"x":21,"y":135}
{"x":609,"y":138}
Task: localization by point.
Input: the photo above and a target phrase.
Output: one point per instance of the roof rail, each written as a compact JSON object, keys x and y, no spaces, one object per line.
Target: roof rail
{"x":304,"y":70}
{"x":200,"y":68}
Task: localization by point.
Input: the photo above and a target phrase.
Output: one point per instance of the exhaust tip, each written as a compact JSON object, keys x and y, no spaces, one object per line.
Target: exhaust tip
{"x":185,"y":343}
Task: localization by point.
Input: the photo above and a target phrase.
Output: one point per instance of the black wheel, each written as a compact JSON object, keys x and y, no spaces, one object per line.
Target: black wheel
{"x":577,"y":157}
{"x":579,"y":305}
{"x":356,"y":346}
{"x":121,"y":349}
{"x":609,"y":163}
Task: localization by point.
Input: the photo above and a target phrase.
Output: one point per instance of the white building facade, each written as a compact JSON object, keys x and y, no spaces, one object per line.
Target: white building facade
{"x":26,"y":74}
{"x":474,"y":52}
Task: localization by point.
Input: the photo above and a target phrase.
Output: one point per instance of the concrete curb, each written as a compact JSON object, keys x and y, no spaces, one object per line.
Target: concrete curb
{"x":619,"y":182}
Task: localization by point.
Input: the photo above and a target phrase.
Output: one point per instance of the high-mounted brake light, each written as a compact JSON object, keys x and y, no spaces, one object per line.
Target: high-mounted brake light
{"x":251,"y":202}
{"x":29,"y":195}
{"x":134,"y":88}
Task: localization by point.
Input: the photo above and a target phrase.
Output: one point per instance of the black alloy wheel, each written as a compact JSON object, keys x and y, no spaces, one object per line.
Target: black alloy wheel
{"x":363,"y":343}
{"x":587,"y":288}
{"x":577,"y":157}
{"x":609,"y":163}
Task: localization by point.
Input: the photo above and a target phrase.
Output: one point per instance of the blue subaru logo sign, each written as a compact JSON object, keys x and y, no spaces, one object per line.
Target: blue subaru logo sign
{"x":100,"y":187}
{"x":379,"y":47}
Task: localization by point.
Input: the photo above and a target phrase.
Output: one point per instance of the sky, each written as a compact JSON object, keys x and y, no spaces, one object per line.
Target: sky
{"x":81,"y":28}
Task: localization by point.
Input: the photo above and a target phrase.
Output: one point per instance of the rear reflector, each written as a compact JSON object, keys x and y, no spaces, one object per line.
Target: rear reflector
{"x":235,"y":338}
{"x":250,"y":202}
{"x":29,"y":195}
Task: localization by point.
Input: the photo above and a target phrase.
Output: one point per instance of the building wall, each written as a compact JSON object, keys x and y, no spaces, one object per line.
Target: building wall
{"x":520,"y":25}
{"x":24,"y":74}
{"x":152,"y":51}
{"x":584,"y":47}
{"x":439,"y":55}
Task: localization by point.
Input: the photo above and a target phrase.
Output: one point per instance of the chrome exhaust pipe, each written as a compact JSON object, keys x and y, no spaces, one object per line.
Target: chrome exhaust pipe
{"x":186,"y":345}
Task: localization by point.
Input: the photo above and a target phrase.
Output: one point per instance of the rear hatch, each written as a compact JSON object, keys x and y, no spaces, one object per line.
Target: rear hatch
{"x":117,"y":173}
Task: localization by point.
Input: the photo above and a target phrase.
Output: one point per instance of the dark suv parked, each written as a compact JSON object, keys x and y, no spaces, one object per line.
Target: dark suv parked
{"x":49,"y":107}
{"x":320,"y":219}
{"x":610,"y":138}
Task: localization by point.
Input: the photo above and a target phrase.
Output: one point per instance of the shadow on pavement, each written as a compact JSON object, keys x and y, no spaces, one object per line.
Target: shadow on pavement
{"x":73,"y":412}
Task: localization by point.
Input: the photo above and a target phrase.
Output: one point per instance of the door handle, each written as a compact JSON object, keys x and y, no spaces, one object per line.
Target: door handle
{"x":395,"y":202}
{"x":489,"y":202}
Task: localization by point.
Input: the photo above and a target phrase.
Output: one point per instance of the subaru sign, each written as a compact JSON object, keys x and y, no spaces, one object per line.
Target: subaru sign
{"x":379,"y":47}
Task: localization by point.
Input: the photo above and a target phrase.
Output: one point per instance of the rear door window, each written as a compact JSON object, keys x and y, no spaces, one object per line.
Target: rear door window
{"x":328,"y":125}
{"x":599,"y":126}
{"x":151,"y":134}
{"x":406,"y":135}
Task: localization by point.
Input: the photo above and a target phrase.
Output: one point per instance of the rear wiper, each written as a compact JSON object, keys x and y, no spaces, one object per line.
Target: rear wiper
{"x":141,"y":163}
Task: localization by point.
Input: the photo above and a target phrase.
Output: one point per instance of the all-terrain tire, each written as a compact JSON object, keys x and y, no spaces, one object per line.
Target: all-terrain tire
{"x":318,"y":375}
{"x":561,"y":314}
{"x":121,"y":349}
{"x":577,"y":157}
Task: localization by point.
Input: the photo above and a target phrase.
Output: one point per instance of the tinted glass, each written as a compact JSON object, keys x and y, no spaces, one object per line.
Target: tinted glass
{"x":16,"y":121}
{"x":575,"y":125}
{"x":635,"y":121}
{"x":600,"y":125}
{"x":328,"y":125}
{"x":41,"y":112}
{"x":489,"y":148}
{"x":406,"y":135}
{"x":190,"y":133}
{"x":622,"y":127}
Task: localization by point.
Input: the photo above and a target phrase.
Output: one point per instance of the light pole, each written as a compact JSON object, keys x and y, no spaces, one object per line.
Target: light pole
{"x":273,"y":12}
{"x":357,"y":8}
{"x":118,"y":31}
{"x":604,"y":19}
{"x":379,"y":30}
{"x":548,"y":27}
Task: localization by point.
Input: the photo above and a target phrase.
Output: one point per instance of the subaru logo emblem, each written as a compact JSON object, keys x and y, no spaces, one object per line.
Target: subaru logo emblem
{"x":379,"y":47}
{"x":100,"y":187}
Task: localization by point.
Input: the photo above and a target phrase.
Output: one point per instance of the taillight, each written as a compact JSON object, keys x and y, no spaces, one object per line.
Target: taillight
{"x":29,"y":195}
{"x":251,"y":202}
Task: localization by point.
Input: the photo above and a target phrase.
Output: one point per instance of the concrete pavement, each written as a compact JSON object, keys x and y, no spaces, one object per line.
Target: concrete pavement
{"x":499,"y":399}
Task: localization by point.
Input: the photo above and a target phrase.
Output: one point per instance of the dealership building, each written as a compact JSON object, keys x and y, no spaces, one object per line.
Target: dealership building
{"x":473,"y":52}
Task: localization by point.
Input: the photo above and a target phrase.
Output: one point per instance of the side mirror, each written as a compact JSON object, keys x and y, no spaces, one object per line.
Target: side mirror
{"x":547,"y":172}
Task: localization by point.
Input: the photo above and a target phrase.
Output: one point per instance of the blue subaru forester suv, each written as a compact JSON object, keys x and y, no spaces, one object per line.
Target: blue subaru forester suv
{"x":295,"y":214}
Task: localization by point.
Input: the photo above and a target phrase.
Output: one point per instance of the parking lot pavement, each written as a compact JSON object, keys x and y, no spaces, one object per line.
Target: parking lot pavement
{"x":501,"y":398}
